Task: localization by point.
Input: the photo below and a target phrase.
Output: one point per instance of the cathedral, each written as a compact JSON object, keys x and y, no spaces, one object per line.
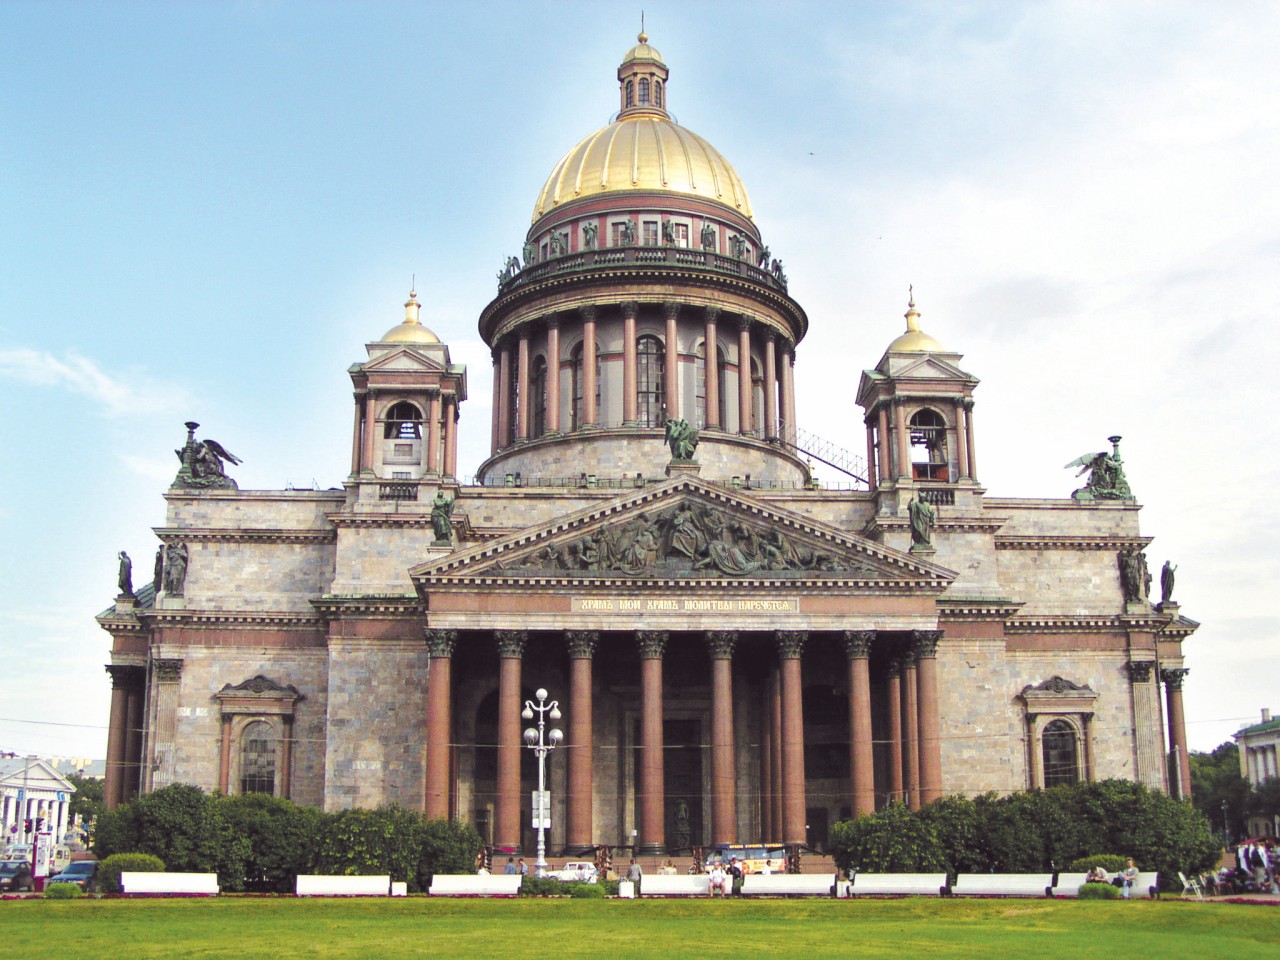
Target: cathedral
{"x":738,"y":652}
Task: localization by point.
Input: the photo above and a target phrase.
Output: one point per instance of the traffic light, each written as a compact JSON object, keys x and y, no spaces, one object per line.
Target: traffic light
{"x":26,"y":825}
{"x":39,"y":824}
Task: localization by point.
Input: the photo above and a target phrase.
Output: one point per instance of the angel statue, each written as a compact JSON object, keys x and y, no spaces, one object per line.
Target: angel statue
{"x":682,"y":438}
{"x":202,"y":463}
{"x":1106,"y":475}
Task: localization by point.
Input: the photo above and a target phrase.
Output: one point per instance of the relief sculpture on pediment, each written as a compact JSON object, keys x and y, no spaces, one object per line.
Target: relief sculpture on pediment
{"x":690,"y":539}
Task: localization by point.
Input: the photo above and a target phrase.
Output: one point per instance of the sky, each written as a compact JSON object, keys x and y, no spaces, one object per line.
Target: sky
{"x":207,"y":209}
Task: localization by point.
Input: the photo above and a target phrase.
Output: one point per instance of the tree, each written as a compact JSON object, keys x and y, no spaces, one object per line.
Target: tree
{"x":281,"y":840}
{"x":1216,"y":780}
{"x":87,"y":802}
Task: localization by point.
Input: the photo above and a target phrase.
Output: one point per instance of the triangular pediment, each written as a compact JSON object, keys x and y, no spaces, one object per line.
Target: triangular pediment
{"x":685,"y":531}
{"x":404,"y":358}
{"x":928,"y":366}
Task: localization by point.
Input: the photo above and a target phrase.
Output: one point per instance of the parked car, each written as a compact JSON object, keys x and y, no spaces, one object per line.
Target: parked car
{"x":581,"y":870}
{"x":83,"y":873}
{"x":15,"y":875}
{"x":17,"y":851}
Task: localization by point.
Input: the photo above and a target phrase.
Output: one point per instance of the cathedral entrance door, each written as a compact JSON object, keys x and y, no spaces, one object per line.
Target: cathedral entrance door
{"x":683,"y":740}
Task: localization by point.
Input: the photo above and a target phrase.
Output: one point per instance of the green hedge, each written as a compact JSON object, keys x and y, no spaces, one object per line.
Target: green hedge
{"x":1099,"y":891}
{"x":109,"y":870}
{"x":1031,"y":832}
{"x":62,"y":891}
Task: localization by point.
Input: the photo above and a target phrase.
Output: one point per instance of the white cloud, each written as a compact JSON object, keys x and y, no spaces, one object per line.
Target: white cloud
{"x":116,"y":395}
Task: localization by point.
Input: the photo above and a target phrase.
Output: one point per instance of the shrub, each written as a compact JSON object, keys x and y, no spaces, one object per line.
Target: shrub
{"x":1110,"y":862}
{"x":889,"y":840}
{"x":586,"y":891}
{"x":281,"y":840}
{"x":1098,"y":891}
{"x":371,"y":842}
{"x":109,"y":870}
{"x":542,"y":887}
{"x":62,"y":891}
{"x":447,"y":846}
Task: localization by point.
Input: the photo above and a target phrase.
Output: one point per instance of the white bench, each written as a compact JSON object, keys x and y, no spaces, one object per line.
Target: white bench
{"x":899,"y":885}
{"x":1003,"y":885}
{"x":317,"y":885}
{"x":475,"y":885}
{"x":192,"y":884}
{"x":1069,"y":884}
{"x":787,"y":885}
{"x":656,"y":885}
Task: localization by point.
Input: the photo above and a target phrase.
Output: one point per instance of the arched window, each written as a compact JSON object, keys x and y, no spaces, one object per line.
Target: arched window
{"x":1058,"y":746}
{"x":651,"y":382}
{"x":630,"y":94}
{"x":644,"y":91}
{"x":700,"y":385}
{"x":258,"y":743}
{"x":538,"y":395}
{"x":657,"y":93}
{"x":403,"y":422}
{"x":928,"y":445}
{"x":578,"y":385}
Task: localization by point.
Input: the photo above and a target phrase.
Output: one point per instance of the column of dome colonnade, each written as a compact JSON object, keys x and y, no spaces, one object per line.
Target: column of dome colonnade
{"x":511,"y":645}
{"x":581,"y":648}
{"x":440,"y":645}
{"x":519,"y":399}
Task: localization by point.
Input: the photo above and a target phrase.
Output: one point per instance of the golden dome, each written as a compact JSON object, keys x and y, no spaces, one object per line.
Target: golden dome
{"x":411,"y":329}
{"x":915,"y":340}
{"x":642,"y":50}
{"x":643,"y":152}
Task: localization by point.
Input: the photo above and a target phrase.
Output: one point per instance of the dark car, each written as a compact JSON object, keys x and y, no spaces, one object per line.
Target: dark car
{"x":15,"y":875}
{"x":83,"y":873}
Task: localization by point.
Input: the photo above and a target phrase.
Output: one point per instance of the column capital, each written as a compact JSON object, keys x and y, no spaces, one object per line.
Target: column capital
{"x":587,"y":313}
{"x":670,"y":309}
{"x":122,"y":675}
{"x":744,"y":322}
{"x":895,"y":667}
{"x":924,"y":643}
{"x":167,"y":671}
{"x":791,"y":643}
{"x":711,"y":314}
{"x":770,"y":335}
{"x":1173,"y":676}
{"x":582,"y":643}
{"x":552,"y":320}
{"x":857,"y":643}
{"x":720,"y":643}
{"x":967,"y":402}
{"x":630,"y":309}
{"x":440,"y":643}
{"x":511,"y":643}
{"x":1140,"y":670}
{"x":652,"y":643}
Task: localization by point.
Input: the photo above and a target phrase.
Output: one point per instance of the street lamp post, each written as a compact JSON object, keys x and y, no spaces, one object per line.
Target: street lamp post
{"x":542,"y":741}
{"x":1226,"y":826}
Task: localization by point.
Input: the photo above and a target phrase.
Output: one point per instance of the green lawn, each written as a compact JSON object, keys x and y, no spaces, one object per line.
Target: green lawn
{"x":562,"y":929}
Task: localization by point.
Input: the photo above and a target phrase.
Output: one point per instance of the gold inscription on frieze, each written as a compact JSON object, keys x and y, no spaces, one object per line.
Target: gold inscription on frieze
{"x":681,"y":605}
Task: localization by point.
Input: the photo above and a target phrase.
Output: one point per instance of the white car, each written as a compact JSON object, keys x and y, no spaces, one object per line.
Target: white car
{"x":581,"y":870}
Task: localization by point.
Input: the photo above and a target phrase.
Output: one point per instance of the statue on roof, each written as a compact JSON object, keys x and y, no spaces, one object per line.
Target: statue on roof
{"x":627,"y":234}
{"x":124,"y":578}
{"x":1166,"y":582}
{"x":708,"y":237}
{"x":530,"y":253}
{"x":923,"y":519}
{"x":202,"y":463}
{"x":1106,"y":475}
{"x":682,"y":438}
{"x":442,"y":517}
{"x":590,"y":233}
{"x":1135,"y":578}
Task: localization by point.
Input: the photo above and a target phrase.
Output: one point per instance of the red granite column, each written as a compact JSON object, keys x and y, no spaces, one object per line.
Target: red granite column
{"x":630,"y":401}
{"x":506,"y":827}
{"x":495,"y":440}
{"x":767,"y":788}
{"x":286,"y":758}
{"x":651,"y":802}
{"x":711,"y":369}
{"x":790,"y":648}
{"x":724,"y":794}
{"x":926,"y":652}
{"x":582,"y":647}
{"x":590,"y":415}
{"x":504,"y":398}
{"x":744,"y":375}
{"x":962,"y":439}
{"x":903,"y":441}
{"x":523,"y":399}
{"x":553,"y":375}
{"x":770,"y":384}
{"x":370,"y":430}
{"x":897,"y":793}
{"x":113,"y":788}
{"x":440,"y":645}
{"x":775,"y":721}
{"x":434,"y":417}
{"x":911,"y":731}
{"x":787,"y":399}
{"x":670,"y":311}
{"x":224,"y":756}
{"x":357,"y":433}
{"x":871,"y":454}
{"x":861,"y":760}
{"x":1173,"y":678}
{"x":969,"y":441}
{"x":450,"y":435}
{"x":133,"y":739}
{"x":882,"y":435}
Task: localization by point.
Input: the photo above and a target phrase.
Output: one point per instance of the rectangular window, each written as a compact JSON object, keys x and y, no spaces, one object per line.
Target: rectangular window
{"x":615,"y":234}
{"x":400,"y":475}
{"x":682,"y":234}
{"x":404,"y":449}
{"x":650,"y":233}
